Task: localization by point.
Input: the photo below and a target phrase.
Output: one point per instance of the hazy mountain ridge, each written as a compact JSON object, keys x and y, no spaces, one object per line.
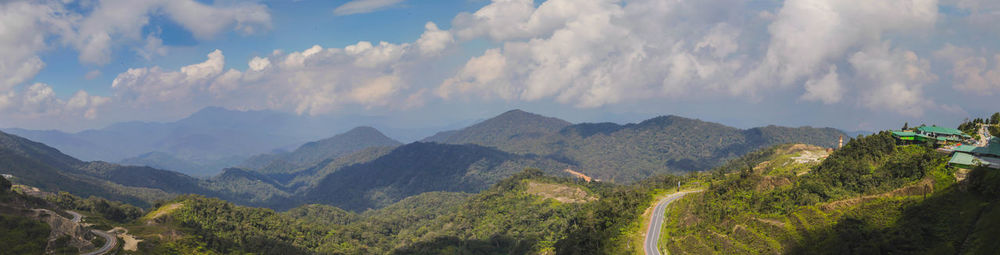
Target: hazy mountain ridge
{"x":208,"y":138}
{"x":502,"y":130}
{"x":311,"y":153}
{"x":630,"y":152}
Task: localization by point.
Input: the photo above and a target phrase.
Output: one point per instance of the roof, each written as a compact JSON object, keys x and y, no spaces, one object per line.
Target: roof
{"x":903,"y":133}
{"x":965,"y":148}
{"x":993,"y":148}
{"x":940,"y":130}
{"x":965,"y":159}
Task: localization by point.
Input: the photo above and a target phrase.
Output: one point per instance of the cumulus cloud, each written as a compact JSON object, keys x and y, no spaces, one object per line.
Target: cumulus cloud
{"x":826,"y":89}
{"x":434,"y":40}
{"x":24,"y":29}
{"x":364,"y":6}
{"x":153,"y":85}
{"x":39,"y":101}
{"x":593,"y":53}
{"x":897,"y":78}
{"x":125,"y":19}
{"x":316,"y":80}
{"x":809,"y":34}
{"x":972,"y":72}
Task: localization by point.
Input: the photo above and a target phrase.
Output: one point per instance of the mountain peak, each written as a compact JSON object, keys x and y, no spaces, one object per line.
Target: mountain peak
{"x":497,"y":131}
{"x":363,"y":130}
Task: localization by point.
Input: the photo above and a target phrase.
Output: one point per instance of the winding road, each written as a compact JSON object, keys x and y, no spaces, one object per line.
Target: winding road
{"x":110,"y":241}
{"x":656,"y":221}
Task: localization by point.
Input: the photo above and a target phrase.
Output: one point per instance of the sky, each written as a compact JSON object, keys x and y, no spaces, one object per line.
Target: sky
{"x":849,"y":64}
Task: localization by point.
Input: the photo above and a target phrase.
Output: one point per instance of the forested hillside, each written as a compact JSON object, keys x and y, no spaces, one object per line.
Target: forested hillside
{"x":508,"y":218}
{"x":421,"y":167}
{"x":504,"y":131}
{"x":628,"y":153}
{"x":871,"y":197}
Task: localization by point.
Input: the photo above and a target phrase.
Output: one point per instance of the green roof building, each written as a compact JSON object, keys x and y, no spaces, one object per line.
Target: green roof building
{"x":938,"y":135}
{"x":967,"y":156}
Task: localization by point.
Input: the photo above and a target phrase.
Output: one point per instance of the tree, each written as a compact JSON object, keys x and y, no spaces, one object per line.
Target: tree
{"x":906,"y":125}
{"x":995,"y":119}
{"x":4,"y":184}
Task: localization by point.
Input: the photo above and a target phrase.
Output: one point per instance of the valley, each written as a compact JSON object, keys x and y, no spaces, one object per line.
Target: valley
{"x":516,"y":183}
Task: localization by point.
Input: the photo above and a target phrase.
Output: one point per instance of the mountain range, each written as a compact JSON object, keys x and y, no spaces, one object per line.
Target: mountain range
{"x":207,"y":141}
{"x":363,"y":168}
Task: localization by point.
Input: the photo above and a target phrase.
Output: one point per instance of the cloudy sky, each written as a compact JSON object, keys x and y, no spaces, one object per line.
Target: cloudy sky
{"x":850,"y":64}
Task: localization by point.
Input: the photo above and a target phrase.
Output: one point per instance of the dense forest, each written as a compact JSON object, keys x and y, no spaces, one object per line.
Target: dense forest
{"x":507,"y":218}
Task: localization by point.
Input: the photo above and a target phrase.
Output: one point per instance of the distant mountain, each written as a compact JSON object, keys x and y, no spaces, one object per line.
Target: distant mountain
{"x":421,"y":167}
{"x":197,"y":145}
{"x":198,"y":168}
{"x":35,"y":164}
{"x":627,"y":153}
{"x":504,"y":131}
{"x":312,"y":153}
{"x":38,"y":165}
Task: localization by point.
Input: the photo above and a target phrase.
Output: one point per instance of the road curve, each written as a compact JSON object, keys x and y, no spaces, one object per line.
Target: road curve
{"x":656,"y":222}
{"x":76,"y":216}
{"x":110,"y":240}
{"x":110,"y":243}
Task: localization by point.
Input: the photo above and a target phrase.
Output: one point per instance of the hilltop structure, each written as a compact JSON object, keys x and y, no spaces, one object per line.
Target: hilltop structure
{"x":967,"y":156}
{"x":935,"y":134}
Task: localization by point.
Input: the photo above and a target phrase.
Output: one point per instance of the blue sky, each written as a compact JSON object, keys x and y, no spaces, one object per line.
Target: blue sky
{"x":854,"y":65}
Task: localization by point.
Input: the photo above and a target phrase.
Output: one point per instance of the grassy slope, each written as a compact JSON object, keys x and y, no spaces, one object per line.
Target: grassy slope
{"x":949,"y":220}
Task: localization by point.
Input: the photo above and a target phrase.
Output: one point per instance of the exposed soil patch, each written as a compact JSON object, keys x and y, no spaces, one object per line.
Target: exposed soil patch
{"x":131,"y":243}
{"x":561,"y":193}
{"x":163,"y":211}
{"x":579,"y":175}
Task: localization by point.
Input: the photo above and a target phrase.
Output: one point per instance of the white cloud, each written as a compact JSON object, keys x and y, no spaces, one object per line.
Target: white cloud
{"x":153,"y":48}
{"x":316,"y":80}
{"x":40,"y":101}
{"x":205,"y":70}
{"x":809,"y":34}
{"x":24,"y":29}
{"x":593,"y":53}
{"x":124,"y":19}
{"x":826,"y":89}
{"x":972,"y":72}
{"x":259,"y":64}
{"x":897,"y":78}
{"x":434,"y":40}
{"x":364,"y":6}
{"x":154,"y":85}
{"x":481,"y":76}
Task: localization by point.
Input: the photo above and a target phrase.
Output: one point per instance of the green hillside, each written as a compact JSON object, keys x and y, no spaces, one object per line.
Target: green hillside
{"x":871,"y":197}
{"x":632,"y":152}
{"x":505,"y":131}
{"x":514,"y":216}
{"x":417,"y":168}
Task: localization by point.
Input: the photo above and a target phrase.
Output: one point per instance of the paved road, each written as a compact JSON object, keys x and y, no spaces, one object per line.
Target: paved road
{"x":656,"y":222}
{"x":109,"y":243}
{"x":76,"y":216}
